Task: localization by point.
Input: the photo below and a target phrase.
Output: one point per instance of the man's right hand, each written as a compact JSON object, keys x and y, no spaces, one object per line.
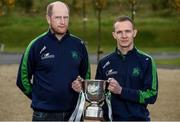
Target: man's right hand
{"x":77,"y":84}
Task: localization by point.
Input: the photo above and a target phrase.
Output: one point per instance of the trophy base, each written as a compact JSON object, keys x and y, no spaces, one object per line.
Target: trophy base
{"x":93,"y":113}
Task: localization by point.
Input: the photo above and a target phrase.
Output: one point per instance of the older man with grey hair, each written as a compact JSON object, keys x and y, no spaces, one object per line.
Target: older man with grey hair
{"x":50,"y":66}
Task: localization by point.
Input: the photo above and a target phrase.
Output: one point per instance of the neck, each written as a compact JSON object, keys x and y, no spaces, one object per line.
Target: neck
{"x":125,"y":50}
{"x":59,"y":36}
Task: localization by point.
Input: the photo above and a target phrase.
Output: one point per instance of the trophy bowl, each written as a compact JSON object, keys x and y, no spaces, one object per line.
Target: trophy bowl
{"x":94,"y":91}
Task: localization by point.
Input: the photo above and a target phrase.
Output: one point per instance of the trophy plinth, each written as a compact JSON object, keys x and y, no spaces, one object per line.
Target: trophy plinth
{"x":94,"y":93}
{"x":93,"y":112}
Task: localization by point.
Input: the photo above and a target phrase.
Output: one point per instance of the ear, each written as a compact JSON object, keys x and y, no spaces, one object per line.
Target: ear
{"x":114,"y":35}
{"x":48,"y":19}
{"x":135,"y":32}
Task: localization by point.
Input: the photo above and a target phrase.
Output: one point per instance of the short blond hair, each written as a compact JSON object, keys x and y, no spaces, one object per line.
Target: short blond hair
{"x":124,"y":18}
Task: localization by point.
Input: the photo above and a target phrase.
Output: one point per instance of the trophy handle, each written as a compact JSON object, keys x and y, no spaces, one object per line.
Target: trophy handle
{"x":106,"y":85}
{"x":83,"y":84}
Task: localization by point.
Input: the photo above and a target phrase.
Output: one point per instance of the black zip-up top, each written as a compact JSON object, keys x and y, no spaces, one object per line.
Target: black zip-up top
{"x":136,"y":73}
{"x":47,"y":69}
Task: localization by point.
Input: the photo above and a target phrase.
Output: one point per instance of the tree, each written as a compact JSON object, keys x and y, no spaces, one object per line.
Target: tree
{"x":26,"y":4}
{"x":133,"y":8}
{"x":175,"y":4}
{"x":6,"y":5}
{"x":1,"y":7}
{"x":99,"y":5}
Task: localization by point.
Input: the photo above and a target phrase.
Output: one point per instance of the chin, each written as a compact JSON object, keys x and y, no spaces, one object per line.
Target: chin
{"x":60,"y":32}
{"x":63,"y":31}
{"x":125,"y":46}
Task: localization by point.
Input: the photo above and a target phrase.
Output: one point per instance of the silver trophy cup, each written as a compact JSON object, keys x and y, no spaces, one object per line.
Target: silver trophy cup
{"x":94,"y":91}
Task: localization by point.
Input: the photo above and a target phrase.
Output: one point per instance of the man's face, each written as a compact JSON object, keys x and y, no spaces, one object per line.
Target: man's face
{"x":59,"y":19}
{"x":124,"y":34}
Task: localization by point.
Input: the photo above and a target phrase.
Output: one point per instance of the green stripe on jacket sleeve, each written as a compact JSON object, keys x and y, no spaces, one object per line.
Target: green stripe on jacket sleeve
{"x":24,"y":68}
{"x":153,"y":91}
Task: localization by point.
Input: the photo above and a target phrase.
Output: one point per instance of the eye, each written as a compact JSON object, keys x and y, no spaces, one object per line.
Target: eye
{"x":57,"y":17}
{"x":118,"y":32}
{"x":128,"y":31}
{"x":65,"y":17}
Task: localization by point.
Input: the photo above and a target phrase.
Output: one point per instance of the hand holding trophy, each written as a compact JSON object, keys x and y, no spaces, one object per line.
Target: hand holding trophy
{"x":93,"y":91}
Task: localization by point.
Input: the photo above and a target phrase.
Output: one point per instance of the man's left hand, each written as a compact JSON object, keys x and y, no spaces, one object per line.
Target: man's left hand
{"x":114,"y":86}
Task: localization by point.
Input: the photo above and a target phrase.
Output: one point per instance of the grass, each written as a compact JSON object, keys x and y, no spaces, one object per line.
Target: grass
{"x":169,"y":62}
{"x":158,"y":32}
{"x":155,"y":34}
{"x":17,"y":32}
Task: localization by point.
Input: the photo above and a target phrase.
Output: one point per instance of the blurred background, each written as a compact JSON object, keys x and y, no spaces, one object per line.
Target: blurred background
{"x":157,"y":21}
{"x":158,"y":24}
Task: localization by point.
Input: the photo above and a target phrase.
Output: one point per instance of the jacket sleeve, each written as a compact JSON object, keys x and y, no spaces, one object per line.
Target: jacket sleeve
{"x":25,"y":73}
{"x":84,"y":69}
{"x":99,"y":74}
{"x":148,"y":93}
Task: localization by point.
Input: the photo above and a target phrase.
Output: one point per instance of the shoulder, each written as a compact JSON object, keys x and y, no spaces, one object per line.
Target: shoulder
{"x":106,"y":58}
{"x":36,"y":41}
{"x":76,"y":39}
{"x":143,"y":54}
{"x":144,"y":57}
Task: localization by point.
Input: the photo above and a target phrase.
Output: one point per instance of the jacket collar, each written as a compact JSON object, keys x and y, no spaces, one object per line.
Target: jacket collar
{"x":52,"y":35}
{"x":118,"y":52}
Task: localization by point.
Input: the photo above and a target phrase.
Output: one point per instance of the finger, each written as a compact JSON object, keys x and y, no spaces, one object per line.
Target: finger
{"x":112,"y":83}
{"x":111,"y":89}
{"x":109,"y":80}
{"x":76,"y":85}
{"x":111,"y":86}
{"x":73,"y":84}
{"x":76,"y":88}
{"x":79,"y":78}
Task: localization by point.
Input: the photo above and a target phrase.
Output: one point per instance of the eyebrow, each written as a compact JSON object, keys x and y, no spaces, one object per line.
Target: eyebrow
{"x":127,"y":30}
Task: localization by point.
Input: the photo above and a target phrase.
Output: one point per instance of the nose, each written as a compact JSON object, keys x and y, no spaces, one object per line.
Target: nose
{"x":124,"y":35}
{"x":62,"y":20}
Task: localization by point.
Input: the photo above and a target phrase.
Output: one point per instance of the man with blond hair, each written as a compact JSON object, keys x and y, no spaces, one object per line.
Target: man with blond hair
{"x":132,"y":75}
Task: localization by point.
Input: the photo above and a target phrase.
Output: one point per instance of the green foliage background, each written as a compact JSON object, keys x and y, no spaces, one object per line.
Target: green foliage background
{"x":158,"y":25}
